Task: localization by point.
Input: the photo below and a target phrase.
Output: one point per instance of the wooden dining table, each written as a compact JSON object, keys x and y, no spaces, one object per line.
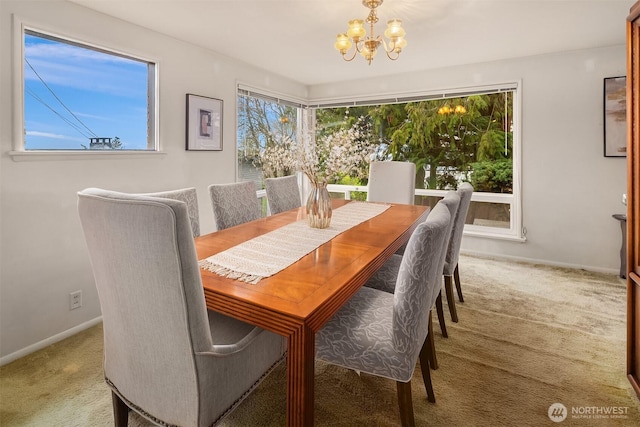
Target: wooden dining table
{"x":297,"y":301}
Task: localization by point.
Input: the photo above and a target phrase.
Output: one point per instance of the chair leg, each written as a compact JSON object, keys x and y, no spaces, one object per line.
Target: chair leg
{"x":440,"y":311}
{"x":456,"y":278}
{"x":433,"y":361}
{"x":405,"y":403}
{"x":426,"y":373}
{"x":120,"y":411}
{"x":448,"y":287}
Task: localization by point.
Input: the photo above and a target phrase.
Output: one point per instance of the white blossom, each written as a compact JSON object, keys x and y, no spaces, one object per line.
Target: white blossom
{"x":346,"y":152}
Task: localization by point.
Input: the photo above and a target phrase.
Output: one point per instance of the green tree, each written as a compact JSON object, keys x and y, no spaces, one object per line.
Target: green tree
{"x":329,"y":120}
{"x":445,"y":137}
{"x":493,"y":170}
{"x":494,"y":176}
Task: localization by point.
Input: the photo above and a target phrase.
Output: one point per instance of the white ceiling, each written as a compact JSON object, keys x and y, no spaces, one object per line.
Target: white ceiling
{"x":294,"y":38}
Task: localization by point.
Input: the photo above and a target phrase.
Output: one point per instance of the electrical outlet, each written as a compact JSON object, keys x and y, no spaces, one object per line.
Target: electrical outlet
{"x":75,"y":300}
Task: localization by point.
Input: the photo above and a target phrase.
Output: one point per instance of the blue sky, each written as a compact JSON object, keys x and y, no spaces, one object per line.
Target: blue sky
{"x":107,"y":93}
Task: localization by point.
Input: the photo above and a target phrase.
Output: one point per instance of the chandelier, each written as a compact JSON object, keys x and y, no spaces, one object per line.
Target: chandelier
{"x":367,"y":45}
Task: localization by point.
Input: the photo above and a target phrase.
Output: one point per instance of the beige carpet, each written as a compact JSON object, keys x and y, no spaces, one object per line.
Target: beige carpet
{"x":529,"y":336}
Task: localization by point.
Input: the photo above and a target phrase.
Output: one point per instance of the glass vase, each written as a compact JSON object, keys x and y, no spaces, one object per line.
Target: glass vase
{"x":319,"y":206}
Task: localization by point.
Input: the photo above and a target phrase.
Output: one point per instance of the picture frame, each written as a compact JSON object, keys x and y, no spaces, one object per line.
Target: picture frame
{"x":204,"y":123}
{"x":615,"y":116}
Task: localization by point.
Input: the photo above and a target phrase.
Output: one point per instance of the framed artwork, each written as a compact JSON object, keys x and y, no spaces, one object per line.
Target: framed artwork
{"x":615,"y":117}
{"x":204,"y":123}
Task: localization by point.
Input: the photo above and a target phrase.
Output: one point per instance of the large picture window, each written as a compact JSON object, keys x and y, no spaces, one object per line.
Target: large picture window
{"x":464,"y":136}
{"x":452,"y":138}
{"x":80,"y":97}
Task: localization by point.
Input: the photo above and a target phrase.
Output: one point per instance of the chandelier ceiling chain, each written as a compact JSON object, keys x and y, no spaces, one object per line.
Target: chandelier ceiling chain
{"x":368,"y":45}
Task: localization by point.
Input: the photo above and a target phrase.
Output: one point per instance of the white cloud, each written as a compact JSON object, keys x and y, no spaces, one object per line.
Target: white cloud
{"x":94,"y":116}
{"x":51,"y":135}
{"x":83,"y":68}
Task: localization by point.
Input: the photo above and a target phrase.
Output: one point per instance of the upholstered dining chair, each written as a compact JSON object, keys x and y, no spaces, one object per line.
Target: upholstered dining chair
{"x":283,"y":193}
{"x":452,"y":201}
{"x":450,"y":271}
{"x":166,"y":356}
{"x":234,"y":203}
{"x":392,"y":182}
{"x":385,"y":278}
{"x":190,"y":197}
{"x":384,"y":334}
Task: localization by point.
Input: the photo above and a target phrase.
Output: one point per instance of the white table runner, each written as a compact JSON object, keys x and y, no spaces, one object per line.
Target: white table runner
{"x":270,"y":253}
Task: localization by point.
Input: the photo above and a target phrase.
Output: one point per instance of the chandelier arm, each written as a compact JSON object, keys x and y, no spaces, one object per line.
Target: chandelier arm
{"x":389,"y":49}
{"x":358,"y":46}
{"x":385,"y":45}
{"x":391,"y":57}
{"x":355,"y":52}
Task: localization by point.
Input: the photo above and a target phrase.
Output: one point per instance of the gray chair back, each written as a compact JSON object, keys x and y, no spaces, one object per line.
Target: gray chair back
{"x":380,"y":333}
{"x":392,"y":182}
{"x":144,"y":262}
{"x":383,"y":334}
{"x":165,"y":356}
{"x":452,"y":201}
{"x":385,"y":278}
{"x":418,"y":279}
{"x":190,"y":197}
{"x":283,"y":193}
{"x":465,"y":191}
{"x":234,"y":203}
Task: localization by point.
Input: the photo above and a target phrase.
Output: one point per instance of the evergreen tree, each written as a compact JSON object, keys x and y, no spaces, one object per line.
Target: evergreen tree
{"x":447,"y":137}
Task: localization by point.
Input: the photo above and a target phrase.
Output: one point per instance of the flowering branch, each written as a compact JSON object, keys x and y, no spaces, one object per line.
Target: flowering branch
{"x":346,"y":152}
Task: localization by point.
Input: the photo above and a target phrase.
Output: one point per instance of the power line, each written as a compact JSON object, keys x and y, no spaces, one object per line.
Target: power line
{"x":59,"y":100}
{"x":73,"y":125}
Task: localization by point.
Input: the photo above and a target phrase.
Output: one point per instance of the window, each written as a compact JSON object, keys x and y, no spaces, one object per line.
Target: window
{"x":267,"y":128}
{"x":452,"y":138}
{"x":79,"y":97}
{"x":467,"y":135}
{"x":265,"y":124}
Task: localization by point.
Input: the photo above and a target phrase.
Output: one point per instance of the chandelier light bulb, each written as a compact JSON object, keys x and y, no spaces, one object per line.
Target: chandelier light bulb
{"x":368,"y":54}
{"x":400,"y":44}
{"x":356,"y":29}
{"x":343,"y":44}
{"x":394,"y":30}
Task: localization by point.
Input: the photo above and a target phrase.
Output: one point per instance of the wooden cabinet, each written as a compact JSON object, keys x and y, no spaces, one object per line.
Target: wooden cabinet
{"x":633,"y":197}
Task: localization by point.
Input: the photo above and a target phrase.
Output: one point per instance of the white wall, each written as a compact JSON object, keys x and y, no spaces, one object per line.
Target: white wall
{"x":570,"y":190}
{"x":43,"y":255}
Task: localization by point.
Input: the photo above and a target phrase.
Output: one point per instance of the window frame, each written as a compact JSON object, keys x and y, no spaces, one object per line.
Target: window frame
{"x":243,"y":89}
{"x":516,"y":232}
{"x":19,"y":152}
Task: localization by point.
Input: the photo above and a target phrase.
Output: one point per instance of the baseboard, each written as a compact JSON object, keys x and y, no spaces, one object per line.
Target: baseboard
{"x":47,"y":342}
{"x":615,"y":272}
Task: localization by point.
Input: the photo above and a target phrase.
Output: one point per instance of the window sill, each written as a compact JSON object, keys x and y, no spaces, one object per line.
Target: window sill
{"x":25,"y":156}
{"x":496,"y":236}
